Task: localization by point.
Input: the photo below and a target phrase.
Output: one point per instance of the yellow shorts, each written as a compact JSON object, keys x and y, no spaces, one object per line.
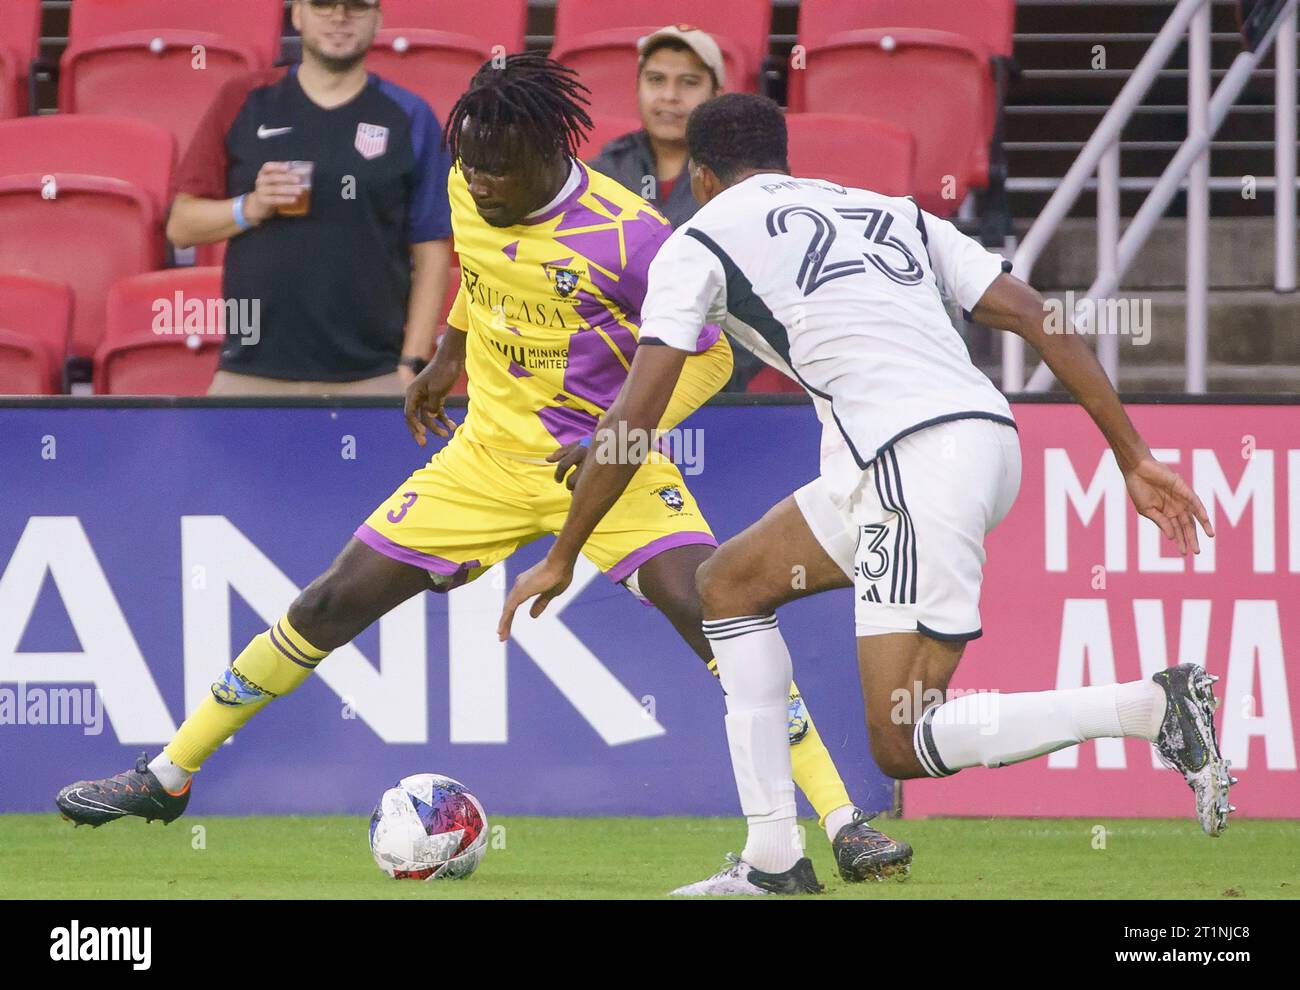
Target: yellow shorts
{"x":471,"y":507}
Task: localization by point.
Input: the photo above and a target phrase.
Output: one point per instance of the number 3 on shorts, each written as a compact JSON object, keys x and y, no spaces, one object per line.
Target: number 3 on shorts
{"x":873,"y":561}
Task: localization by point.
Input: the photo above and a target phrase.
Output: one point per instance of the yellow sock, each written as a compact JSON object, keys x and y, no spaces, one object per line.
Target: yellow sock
{"x":273,"y":664}
{"x":814,"y":770}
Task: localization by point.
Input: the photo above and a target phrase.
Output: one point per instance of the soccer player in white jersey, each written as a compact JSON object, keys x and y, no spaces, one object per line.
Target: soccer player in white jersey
{"x":844,"y":290}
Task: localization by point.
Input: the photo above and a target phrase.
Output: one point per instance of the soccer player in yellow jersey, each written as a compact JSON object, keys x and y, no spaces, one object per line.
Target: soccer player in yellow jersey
{"x":554,"y":259}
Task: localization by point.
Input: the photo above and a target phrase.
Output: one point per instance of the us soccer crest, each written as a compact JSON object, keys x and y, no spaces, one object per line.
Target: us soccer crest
{"x":372,"y":140}
{"x":566,"y":281}
{"x":672,"y":496}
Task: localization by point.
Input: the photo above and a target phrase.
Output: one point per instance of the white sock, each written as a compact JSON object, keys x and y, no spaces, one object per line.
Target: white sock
{"x":837,"y":819}
{"x":1142,"y":706}
{"x":995,"y":730}
{"x":754,"y":666}
{"x":171,"y":776}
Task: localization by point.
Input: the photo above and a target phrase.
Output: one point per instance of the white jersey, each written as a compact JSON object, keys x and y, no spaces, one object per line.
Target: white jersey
{"x":843,"y":290}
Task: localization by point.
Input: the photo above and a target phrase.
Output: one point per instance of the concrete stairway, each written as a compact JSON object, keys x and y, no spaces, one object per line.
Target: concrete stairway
{"x":1254,"y":332}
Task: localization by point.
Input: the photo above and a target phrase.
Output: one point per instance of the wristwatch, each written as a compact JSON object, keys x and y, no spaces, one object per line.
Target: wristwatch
{"x":414,"y":363}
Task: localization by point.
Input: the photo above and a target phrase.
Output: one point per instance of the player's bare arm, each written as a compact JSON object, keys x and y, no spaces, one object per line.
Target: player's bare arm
{"x":640,"y":406}
{"x":702,"y":377}
{"x":1157,"y":491}
{"x":425,"y":396}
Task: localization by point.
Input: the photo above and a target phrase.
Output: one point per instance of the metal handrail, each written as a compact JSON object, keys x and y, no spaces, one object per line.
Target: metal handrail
{"x":1190,"y":165}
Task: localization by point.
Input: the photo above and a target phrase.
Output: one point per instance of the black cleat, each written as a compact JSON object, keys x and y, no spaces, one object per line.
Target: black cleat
{"x":133,"y":792}
{"x":799,"y":879}
{"x":1187,"y":742}
{"x":865,"y":853}
{"x":738,"y":878}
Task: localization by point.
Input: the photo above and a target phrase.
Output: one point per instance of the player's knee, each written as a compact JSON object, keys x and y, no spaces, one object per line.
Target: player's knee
{"x":725,"y":589}
{"x":315,"y":611}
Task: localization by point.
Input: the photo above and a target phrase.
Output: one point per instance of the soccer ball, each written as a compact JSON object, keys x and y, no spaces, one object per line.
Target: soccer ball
{"x":426,"y":827}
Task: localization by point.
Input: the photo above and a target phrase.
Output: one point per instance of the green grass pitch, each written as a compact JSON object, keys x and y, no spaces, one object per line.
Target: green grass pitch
{"x":43,"y":857}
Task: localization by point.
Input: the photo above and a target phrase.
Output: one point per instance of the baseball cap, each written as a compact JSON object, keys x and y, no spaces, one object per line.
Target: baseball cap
{"x":700,"y":42}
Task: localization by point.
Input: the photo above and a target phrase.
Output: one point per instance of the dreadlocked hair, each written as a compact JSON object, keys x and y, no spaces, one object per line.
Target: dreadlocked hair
{"x":531,"y":102}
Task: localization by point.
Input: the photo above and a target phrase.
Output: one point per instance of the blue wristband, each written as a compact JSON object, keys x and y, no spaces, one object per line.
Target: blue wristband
{"x":238,"y":210}
{"x":585,"y":442}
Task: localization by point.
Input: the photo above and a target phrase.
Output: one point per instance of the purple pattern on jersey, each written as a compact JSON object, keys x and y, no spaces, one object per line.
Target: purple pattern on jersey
{"x":612,"y":207}
{"x":581,"y":215}
{"x":601,"y":247}
{"x":510,"y":250}
{"x":519,"y":371}
{"x":567,"y":425}
{"x":595,"y":313}
{"x":643,"y":237}
{"x":595,"y":373}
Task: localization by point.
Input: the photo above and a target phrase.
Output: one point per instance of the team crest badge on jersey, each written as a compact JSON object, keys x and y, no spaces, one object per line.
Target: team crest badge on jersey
{"x":672,"y":496}
{"x":372,"y":140}
{"x":566,"y":281}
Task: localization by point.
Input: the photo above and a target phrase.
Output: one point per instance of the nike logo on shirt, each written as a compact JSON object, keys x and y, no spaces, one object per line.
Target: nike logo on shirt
{"x":265,"y":132}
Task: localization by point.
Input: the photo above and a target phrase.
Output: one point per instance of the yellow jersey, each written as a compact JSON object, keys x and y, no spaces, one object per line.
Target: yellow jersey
{"x":552,"y":309}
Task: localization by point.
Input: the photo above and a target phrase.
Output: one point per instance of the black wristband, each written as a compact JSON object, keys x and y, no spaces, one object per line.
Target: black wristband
{"x":414,"y":363}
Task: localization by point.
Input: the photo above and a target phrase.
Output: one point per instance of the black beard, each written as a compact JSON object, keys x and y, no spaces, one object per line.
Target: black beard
{"x":338,"y":64}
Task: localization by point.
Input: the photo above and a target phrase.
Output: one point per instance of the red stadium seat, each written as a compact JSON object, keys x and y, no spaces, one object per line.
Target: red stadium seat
{"x":883,"y":58}
{"x":990,"y":22}
{"x":888,"y":74}
{"x":137,"y":59}
{"x":211,"y":255}
{"x":605,"y":130}
{"x":853,"y":151}
{"x":495,"y":22}
{"x":35,"y":320}
{"x":82,"y":201}
{"x":164,"y":334}
{"x":20,"y":33}
{"x":598,"y":38}
{"x":428,"y":47}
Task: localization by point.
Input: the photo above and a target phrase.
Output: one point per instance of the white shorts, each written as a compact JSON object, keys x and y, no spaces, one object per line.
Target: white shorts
{"x":910,"y":534}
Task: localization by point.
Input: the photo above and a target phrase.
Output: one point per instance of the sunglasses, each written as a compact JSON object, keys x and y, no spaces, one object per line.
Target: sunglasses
{"x":355,"y":8}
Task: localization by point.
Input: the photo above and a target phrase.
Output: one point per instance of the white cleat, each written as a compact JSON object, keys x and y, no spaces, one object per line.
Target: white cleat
{"x":739,"y":879}
{"x":1188,"y":743}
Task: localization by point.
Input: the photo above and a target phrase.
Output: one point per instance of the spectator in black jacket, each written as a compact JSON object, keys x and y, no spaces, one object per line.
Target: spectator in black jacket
{"x":679,"y":68}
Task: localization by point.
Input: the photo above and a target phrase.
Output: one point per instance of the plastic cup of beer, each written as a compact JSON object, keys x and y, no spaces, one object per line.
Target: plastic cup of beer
{"x":302,"y":171}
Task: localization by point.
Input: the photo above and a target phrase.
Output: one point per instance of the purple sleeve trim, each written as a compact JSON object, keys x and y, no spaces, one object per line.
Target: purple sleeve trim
{"x":636,"y":558}
{"x":708,"y":337}
{"x":425,"y":561}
